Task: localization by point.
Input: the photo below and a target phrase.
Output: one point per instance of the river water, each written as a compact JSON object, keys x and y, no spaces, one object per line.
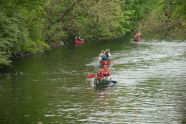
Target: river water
{"x":53,"y":88}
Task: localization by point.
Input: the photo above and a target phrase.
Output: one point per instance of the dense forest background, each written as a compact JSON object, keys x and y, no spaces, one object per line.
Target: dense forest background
{"x":31,"y":26}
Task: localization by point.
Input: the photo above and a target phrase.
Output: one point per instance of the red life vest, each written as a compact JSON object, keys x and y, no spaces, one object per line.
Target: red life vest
{"x":138,"y":35}
{"x":100,"y":75}
{"x":106,"y":72}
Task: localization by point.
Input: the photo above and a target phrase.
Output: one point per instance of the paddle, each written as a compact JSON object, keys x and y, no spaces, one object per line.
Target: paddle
{"x":114,"y":82}
{"x":91,"y":76}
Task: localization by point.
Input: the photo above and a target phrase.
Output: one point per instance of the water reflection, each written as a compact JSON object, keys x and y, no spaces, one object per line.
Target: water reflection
{"x":103,"y":92}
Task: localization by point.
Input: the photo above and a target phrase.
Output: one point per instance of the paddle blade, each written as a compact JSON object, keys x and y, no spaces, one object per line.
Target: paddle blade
{"x":114,"y":82}
{"x":91,"y":76}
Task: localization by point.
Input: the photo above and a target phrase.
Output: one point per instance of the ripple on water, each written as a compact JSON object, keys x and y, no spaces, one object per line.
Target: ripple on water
{"x":151,"y":86}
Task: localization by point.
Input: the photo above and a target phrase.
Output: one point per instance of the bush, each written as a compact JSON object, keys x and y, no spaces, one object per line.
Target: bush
{"x":35,"y":46}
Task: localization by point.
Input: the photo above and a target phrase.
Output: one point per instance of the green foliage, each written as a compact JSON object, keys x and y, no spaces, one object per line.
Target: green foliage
{"x":136,"y":11}
{"x":21,"y":28}
{"x":35,"y":46}
{"x":4,"y":59}
{"x":10,"y":35}
{"x":90,"y":19}
{"x":180,"y":10}
{"x":167,"y":17}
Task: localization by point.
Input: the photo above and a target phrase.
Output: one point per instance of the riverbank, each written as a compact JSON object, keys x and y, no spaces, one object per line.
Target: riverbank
{"x":8,"y":68}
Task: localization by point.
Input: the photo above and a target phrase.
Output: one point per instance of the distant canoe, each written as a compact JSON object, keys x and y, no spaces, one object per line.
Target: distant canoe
{"x":78,"y":42}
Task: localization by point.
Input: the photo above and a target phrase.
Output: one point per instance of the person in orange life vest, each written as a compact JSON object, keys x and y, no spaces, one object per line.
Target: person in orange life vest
{"x":138,"y":35}
{"x":100,"y":75}
{"x":105,"y":71}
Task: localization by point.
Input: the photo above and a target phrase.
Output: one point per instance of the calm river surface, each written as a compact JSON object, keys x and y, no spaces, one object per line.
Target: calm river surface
{"x":53,"y":88}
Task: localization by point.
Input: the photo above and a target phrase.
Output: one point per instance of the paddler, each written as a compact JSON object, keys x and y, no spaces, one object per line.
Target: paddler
{"x":106,"y":72}
{"x":108,"y":54}
{"x":138,"y":36}
{"x":102,"y":56}
{"x":100,"y":75}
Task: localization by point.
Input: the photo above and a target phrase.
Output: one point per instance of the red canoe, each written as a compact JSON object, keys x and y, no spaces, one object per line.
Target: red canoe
{"x":79,"y":42}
